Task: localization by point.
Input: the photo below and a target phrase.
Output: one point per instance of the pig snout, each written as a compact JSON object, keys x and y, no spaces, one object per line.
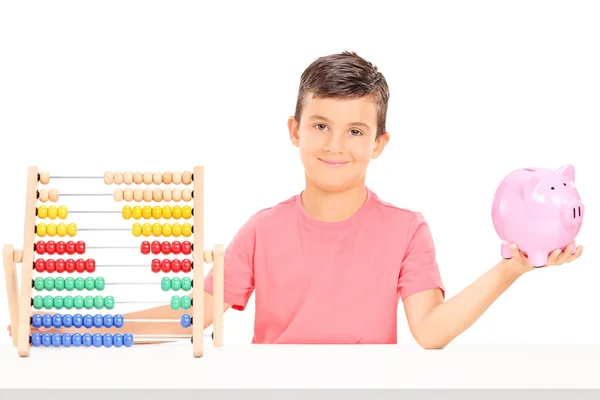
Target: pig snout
{"x":573,"y":213}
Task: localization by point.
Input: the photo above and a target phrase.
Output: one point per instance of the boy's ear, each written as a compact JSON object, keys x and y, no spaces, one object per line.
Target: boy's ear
{"x":380,"y":144}
{"x":293,"y":129}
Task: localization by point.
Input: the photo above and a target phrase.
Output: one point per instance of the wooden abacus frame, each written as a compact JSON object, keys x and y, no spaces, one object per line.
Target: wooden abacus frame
{"x":20,"y":305}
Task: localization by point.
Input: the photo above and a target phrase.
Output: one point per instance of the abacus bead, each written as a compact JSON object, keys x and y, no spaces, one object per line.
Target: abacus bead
{"x":177,"y":212}
{"x":77,"y":321}
{"x":40,"y":265}
{"x":126,"y":213}
{"x":186,"y":321}
{"x":58,"y":302}
{"x":137,"y":178}
{"x":147,"y":177}
{"x":69,"y":284}
{"x":156,"y":247}
{"x":186,"y":302}
{"x":175,"y":302}
{"x":38,"y":284}
{"x":99,"y":302}
{"x":70,"y":265}
{"x":147,"y":229}
{"x":118,"y":321}
{"x":80,"y":247}
{"x":128,"y":177}
{"x":90,"y":265}
{"x":176,"y":265}
{"x":108,"y":321}
{"x":52,"y":212}
{"x":186,"y":265}
{"x":108,"y":178}
{"x":56,"y":340}
{"x":156,"y":229}
{"x":165,"y":284}
{"x":156,"y":212}
{"x":138,"y":195}
{"x":137,"y":212}
{"x":176,"y":282}
{"x":128,"y":194}
{"x":72,"y":229}
{"x":40,"y":247}
{"x":186,"y":247}
{"x":99,"y":284}
{"x":79,"y":284}
{"x":176,"y":178}
{"x":36,"y":339}
{"x":165,"y":265}
{"x":176,"y":247}
{"x":50,"y":266}
{"x":48,"y":302}
{"x":167,"y":194}
{"x":118,"y":340}
{"x":97,"y":339}
{"x":53,"y":195}
{"x":88,"y":302}
{"x":89,"y":283}
{"x":49,"y":284}
{"x":107,"y":340}
{"x":62,"y":230}
{"x":41,"y":230}
{"x":42,"y":212}
{"x":186,"y":230}
{"x":147,"y":195}
{"x":78,"y":302}
{"x":63,"y":212}
{"x":157,"y":178}
{"x":37,"y":321}
{"x":109,"y":302}
{"x":44,"y":177}
{"x":136,"y":229}
{"x":145,"y":247}
{"x":68,"y":302}
{"x":128,"y":340}
{"x":59,"y":283}
{"x":176,"y":230}
{"x":38,"y":302}
{"x":155,"y":265}
{"x":167,"y":178}
{"x":87,"y":340}
{"x":61,"y":266}
{"x":46,"y":339}
{"x":166,"y":247}
{"x":51,"y":229}
{"x":118,"y":178}
{"x":186,"y":194}
{"x":166,"y":212}
{"x":186,"y":178}
{"x":47,"y":321}
{"x":67,"y":339}
{"x":67,"y":320}
{"x":88,"y":321}
{"x":80,"y":265}
{"x":166,"y":230}
{"x":50,"y":247}
{"x":157,"y":194}
{"x":43,"y":195}
{"x":70,"y":247}
{"x":77,"y":339}
{"x":118,"y":196}
{"x":98,"y":321}
{"x":57,"y":321}
{"x":186,"y":284}
{"x":186,"y":212}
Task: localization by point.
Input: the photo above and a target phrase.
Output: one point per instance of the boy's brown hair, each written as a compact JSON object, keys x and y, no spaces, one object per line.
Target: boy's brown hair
{"x":345,"y":75}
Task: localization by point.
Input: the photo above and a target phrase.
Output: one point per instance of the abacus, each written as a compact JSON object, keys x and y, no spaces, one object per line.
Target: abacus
{"x":39,"y":256}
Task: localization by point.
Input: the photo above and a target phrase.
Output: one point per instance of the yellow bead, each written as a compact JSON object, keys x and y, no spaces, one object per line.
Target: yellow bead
{"x":166,"y":230}
{"x":166,"y":212}
{"x":51,"y":229}
{"x":177,"y":212}
{"x":137,"y":212}
{"x":126,"y":212}
{"x":147,"y":212}
{"x":156,"y":212}
{"x":72,"y":229}
{"x":156,"y":229}
{"x":52,"y":212}
{"x":147,"y":229}
{"x":43,"y":212}
{"x":136,"y":229}
{"x":63,"y":212}
{"x":61,"y":230}
{"x":176,"y":230}
{"x":186,"y":212}
{"x":41,"y":230}
{"x":186,"y":230}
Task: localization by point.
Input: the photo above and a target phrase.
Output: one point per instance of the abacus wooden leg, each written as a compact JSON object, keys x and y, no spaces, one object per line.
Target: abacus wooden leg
{"x":218,"y":294}
{"x":198,"y":307}
{"x":10,"y":274}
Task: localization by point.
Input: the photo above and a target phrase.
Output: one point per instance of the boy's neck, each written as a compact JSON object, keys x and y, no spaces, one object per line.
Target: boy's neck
{"x":329,"y":206}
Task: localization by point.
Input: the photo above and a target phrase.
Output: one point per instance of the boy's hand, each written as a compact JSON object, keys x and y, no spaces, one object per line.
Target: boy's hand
{"x":519,"y":263}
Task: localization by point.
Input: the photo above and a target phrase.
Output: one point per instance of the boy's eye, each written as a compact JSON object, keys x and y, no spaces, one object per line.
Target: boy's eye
{"x":320,"y":126}
{"x":355,"y":132}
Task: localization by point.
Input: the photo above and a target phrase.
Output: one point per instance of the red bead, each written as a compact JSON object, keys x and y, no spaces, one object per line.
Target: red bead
{"x":155,"y":265}
{"x":166,"y":248}
{"x":166,"y":266}
{"x":70,"y":247}
{"x":40,"y":247}
{"x":50,"y":266}
{"x":60,"y":247}
{"x":90,"y":265}
{"x":80,"y":265}
{"x":70,"y":265}
{"x":61,"y":265}
{"x":50,"y":247}
{"x":80,"y":247}
{"x":40,"y":265}
{"x":186,"y":247}
{"x":176,"y":265}
{"x":186,"y":265}
{"x":176,"y":247}
{"x":145,"y":247}
{"x":156,"y":247}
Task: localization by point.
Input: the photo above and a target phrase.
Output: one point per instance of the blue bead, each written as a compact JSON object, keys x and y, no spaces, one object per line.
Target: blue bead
{"x":107,"y":340}
{"x":118,"y":340}
{"x":118,"y":321}
{"x":77,"y":339}
{"x":36,"y":339}
{"x":98,"y":321}
{"x":97,"y":338}
{"x":47,"y":321}
{"x":128,"y":340}
{"x":87,"y":339}
{"x":46,"y":339}
{"x":36,"y":321}
{"x":108,"y":321}
{"x":77,"y":320}
{"x":88,"y":321}
{"x":57,"y":321}
{"x":67,"y":320}
{"x":57,"y":340}
{"x":186,"y":320}
{"x":66,"y":340}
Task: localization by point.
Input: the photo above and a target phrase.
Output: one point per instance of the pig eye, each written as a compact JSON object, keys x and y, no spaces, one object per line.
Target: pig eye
{"x":552,"y":188}
{"x":564,"y":184}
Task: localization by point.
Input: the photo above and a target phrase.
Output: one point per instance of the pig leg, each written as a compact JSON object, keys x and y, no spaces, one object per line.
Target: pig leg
{"x":505,"y":251}
{"x":538,"y":259}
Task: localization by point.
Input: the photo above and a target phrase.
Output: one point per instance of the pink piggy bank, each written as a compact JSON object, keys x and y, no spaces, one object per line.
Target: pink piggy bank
{"x":539,"y":210}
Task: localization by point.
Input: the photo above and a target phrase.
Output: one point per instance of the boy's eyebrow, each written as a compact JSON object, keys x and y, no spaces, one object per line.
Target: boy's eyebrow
{"x":316,"y":116}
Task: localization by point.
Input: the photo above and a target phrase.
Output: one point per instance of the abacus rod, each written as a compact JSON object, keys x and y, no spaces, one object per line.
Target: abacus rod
{"x":150,"y":320}
{"x":104,"y":229}
{"x":87,"y":194}
{"x":94,"y":212}
{"x":113,"y":247}
{"x":76,"y":177}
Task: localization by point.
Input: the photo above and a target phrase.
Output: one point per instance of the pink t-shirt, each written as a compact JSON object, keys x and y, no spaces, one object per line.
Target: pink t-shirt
{"x":329,"y":282}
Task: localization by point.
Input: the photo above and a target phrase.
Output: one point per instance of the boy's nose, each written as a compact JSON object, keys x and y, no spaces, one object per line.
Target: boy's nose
{"x":335,"y":143}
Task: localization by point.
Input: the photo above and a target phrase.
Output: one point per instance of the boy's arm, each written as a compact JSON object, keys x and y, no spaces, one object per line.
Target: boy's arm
{"x":435,"y":323}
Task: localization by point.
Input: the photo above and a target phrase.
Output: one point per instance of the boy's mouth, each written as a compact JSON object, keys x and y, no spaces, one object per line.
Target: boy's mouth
{"x":334,"y":163}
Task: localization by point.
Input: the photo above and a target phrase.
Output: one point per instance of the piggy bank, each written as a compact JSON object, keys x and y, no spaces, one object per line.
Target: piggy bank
{"x":539,"y":210}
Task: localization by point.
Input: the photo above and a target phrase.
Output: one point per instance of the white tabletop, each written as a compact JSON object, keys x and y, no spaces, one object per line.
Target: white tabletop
{"x":309,"y":366}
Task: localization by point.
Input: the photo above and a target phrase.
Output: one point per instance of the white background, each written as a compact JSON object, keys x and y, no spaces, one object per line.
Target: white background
{"x":478,"y":89}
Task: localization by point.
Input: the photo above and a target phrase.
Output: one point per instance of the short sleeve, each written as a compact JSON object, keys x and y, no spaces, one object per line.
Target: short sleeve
{"x":419,"y":270}
{"x":238,"y":269}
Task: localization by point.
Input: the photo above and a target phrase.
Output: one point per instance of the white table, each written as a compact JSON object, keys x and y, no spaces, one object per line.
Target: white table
{"x":171,"y":366}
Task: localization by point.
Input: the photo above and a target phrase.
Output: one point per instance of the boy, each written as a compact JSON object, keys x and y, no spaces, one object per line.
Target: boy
{"x":331,"y":264}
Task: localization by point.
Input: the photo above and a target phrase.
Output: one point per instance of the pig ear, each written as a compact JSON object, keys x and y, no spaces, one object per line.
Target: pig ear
{"x":530,"y":187}
{"x":567,"y":171}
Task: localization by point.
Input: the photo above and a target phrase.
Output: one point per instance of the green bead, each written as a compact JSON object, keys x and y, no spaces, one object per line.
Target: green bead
{"x":176,"y":284}
{"x":186,"y":302}
{"x":109,"y":302}
{"x":99,"y":302}
{"x":186,"y":284}
{"x":38,"y":284}
{"x":99,"y":284}
{"x":49,"y":284}
{"x":79,"y":284}
{"x":59,"y":283}
{"x":38,"y":302}
{"x":78,"y":302}
{"x":89,"y":284}
{"x":58,"y":302}
{"x":70,"y":284}
{"x":88,"y":302}
{"x":175,"y":302}
{"x":68,"y":302}
{"x":48,"y":302}
{"x":165,"y":284}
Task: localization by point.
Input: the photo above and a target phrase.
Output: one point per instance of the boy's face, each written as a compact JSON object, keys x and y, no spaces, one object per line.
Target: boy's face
{"x":336,"y":138}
